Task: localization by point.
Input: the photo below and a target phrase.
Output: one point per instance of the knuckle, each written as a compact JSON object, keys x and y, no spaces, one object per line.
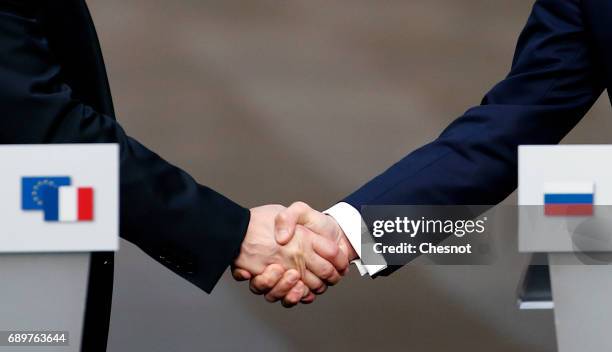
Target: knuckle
{"x":271,"y":271}
{"x":299,"y":205}
{"x":282,"y":286}
{"x":327,"y":271}
{"x":342,"y":264}
{"x":334,"y":251}
{"x":267,"y":282}
{"x":261,"y":282}
{"x":281,"y":217}
{"x":319,"y":287}
{"x":314,"y":284}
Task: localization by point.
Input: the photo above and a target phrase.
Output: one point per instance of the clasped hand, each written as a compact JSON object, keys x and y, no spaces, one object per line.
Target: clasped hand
{"x":292,"y":254}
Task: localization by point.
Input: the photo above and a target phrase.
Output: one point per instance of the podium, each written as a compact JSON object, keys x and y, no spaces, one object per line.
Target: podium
{"x":574,"y":244}
{"x":46,"y":247}
{"x":44,"y":292}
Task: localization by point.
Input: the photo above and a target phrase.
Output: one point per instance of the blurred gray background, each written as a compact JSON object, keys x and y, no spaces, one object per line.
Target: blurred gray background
{"x":275,"y":101}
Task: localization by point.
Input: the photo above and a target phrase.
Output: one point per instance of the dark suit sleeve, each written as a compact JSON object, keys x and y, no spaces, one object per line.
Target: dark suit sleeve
{"x":188,"y":227}
{"x":553,"y":82}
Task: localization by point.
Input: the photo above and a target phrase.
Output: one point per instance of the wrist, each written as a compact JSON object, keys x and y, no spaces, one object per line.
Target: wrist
{"x":258,"y":248}
{"x":345,"y":244}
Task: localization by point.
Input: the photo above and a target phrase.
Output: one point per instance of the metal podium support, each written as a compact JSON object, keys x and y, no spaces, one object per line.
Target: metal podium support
{"x":578,"y":293}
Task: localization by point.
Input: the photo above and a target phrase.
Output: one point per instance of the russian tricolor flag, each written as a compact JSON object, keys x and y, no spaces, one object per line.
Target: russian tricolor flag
{"x":68,"y":203}
{"x":574,"y":199}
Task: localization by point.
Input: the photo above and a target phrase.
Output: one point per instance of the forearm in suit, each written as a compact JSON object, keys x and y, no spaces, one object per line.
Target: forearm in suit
{"x":190,"y":228}
{"x":552,"y":84}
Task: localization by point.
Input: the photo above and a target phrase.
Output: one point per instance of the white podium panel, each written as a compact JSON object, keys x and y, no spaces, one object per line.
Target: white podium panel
{"x":44,"y":292}
{"x":582,"y":304}
{"x":59,"y":172}
{"x":565,"y":199}
{"x":58,"y":203}
{"x":569,"y":168}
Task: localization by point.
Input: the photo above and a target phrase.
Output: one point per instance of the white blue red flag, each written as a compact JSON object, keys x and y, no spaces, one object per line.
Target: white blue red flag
{"x":58,"y":200}
{"x":569,"y":199}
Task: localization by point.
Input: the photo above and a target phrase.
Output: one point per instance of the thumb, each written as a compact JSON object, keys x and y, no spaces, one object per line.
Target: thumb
{"x":330,"y":251}
{"x":284,"y":226}
{"x":240,"y":274}
{"x":298,"y":213}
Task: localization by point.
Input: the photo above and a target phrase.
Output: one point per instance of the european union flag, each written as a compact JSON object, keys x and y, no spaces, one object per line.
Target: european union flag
{"x":32,"y":190}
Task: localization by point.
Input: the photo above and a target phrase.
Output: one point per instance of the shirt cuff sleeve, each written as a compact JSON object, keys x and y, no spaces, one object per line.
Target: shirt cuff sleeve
{"x":350,"y":221}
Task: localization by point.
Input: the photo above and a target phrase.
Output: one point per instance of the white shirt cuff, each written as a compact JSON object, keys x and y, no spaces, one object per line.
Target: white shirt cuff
{"x":350,"y":221}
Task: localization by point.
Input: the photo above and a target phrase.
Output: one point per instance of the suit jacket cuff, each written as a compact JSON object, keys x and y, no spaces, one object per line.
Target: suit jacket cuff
{"x":350,"y":221}
{"x":223,"y":244}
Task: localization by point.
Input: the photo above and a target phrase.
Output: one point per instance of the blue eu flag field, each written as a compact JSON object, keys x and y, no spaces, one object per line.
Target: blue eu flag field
{"x":32,"y":190}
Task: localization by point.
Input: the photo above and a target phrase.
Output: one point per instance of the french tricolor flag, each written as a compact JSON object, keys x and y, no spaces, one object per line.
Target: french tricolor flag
{"x":573,"y":199}
{"x":68,"y":203}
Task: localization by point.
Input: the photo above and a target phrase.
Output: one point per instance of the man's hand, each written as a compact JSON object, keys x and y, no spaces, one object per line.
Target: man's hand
{"x":288,"y":223}
{"x":303,"y":265}
{"x":300,"y":213}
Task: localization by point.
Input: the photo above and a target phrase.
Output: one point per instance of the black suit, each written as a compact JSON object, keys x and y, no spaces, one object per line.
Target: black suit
{"x":53,"y":89}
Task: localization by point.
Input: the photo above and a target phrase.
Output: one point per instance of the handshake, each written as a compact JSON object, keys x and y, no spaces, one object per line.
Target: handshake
{"x":292,"y":254}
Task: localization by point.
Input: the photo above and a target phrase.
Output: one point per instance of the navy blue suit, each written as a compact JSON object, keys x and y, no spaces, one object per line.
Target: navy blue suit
{"x":53,"y":89}
{"x":562,"y":63}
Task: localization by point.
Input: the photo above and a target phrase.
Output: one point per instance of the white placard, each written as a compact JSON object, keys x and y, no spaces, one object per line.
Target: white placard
{"x":89,"y":166}
{"x":564,"y":169}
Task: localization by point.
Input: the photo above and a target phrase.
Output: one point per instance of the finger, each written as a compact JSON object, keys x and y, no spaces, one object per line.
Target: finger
{"x":284,"y":285}
{"x":309,"y":298}
{"x":295,"y":295}
{"x":285,"y":221}
{"x":322,"y":269}
{"x":330,"y":251}
{"x":307,"y":258}
{"x":314,"y":284}
{"x":241,"y":274}
{"x":325,"y":253}
{"x":265,"y":281}
{"x":347,"y":270}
